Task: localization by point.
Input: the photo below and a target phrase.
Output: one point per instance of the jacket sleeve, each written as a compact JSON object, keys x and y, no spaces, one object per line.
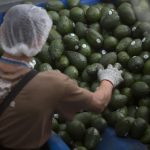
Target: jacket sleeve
{"x":73,"y":100}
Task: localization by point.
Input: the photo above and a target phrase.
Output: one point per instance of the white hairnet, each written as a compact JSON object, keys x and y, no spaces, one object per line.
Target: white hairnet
{"x":24,"y":30}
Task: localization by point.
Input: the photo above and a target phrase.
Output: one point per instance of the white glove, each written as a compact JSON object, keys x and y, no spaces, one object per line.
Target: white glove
{"x":111,"y":73}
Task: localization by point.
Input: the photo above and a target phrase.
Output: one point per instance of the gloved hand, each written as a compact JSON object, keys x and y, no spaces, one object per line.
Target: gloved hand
{"x":111,"y":73}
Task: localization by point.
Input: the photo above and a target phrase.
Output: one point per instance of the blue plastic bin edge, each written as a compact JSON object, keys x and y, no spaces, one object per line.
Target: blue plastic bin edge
{"x":82,"y":2}
{"x":56,"y":143}
{"x":110,"y":141}
{"x":3,"y":13}
{"x":1,"y":17}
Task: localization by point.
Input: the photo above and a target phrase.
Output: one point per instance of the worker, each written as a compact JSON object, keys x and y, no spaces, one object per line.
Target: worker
{"x":26,"y":123}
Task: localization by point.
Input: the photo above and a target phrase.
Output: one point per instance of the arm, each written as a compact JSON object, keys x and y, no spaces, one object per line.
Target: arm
{"x":109,"y":78}
{"x":101,"y":97}
{"x":76,"y":99}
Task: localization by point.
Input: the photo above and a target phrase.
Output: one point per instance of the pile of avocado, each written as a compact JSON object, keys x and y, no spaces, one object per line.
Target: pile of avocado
{"x":82,"y":38}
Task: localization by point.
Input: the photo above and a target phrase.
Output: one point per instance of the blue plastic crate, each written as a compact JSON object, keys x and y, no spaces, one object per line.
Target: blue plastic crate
{"x":90,"y":2}
{"x":3,"y":13}
{"x":82,"y":2}
{"x":56,"y":143}
{"x":110,"y":141}
{"x":1,"y":17}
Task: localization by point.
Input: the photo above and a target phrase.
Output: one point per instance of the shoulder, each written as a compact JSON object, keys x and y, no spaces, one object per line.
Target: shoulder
{"x":58,"y":78}
{"x":52,"y":75}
